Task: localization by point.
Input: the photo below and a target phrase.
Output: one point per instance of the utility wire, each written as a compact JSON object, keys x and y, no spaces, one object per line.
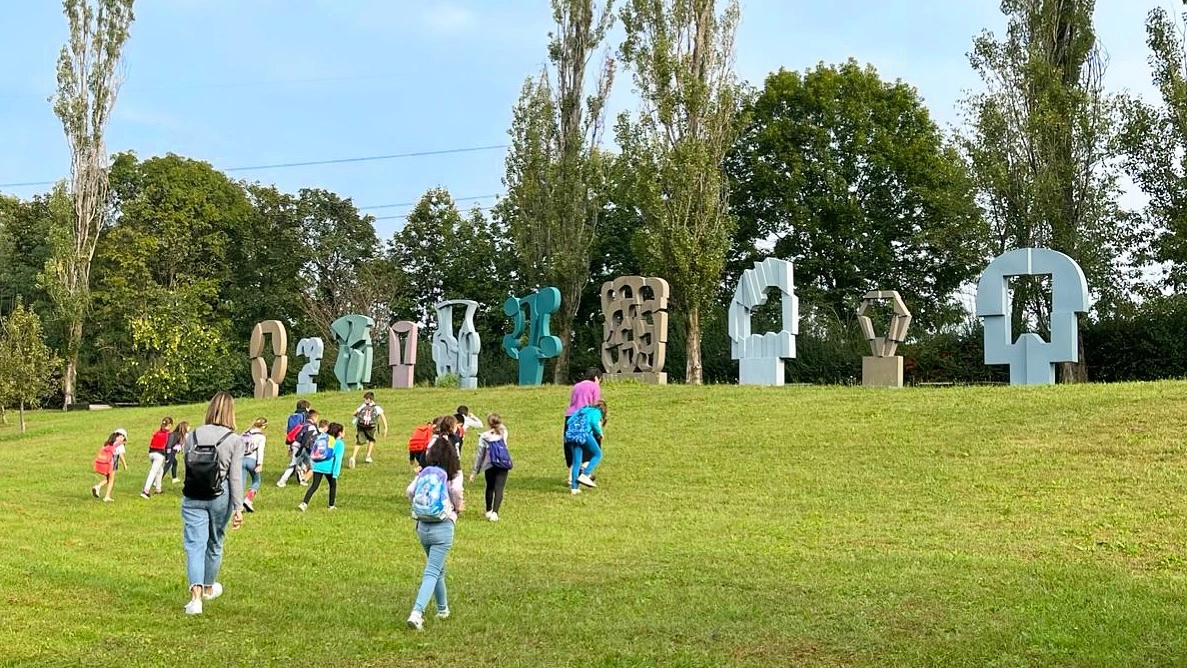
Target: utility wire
{"x":404,"y":216}
{"x":336,"y":161}
{"x":393,"y":206}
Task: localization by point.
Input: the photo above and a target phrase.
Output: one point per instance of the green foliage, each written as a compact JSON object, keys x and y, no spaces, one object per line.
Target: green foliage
{"x":852,"y":179}
{"x":449,"y":380}
{"x":28,"y":367}
{"x":187,"y":357}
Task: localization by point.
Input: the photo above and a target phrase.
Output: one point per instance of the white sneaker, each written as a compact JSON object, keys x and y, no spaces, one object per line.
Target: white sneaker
{"x":367,"y":460}
{"x":585,"y":480}
{"x":575,"y":491}
{"x":487,"y":514}
{"x":194,"y":607}
{"x":443,"y":614}
{"x":175,"y":481}
{"x":144,"y":495}
{"x":493,"y":516}
{"x":301,"y":507}
{"x":216,"y":590}
{"x":416,"y":621}
{"x":281,"y":484}
{"x":350,"y":463}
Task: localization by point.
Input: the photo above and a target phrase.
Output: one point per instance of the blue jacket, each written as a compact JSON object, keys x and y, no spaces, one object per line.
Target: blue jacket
{"x":333,"y":465}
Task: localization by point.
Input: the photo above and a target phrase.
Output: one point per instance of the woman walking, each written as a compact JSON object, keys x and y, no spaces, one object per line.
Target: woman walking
{"x":212,"y":495}
{"x":437,"y":498}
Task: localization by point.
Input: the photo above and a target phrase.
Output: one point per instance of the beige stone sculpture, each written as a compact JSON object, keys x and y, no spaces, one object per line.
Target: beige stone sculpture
{"x":635,"y":339}
{"x":883,"y":368}
{"x":267,"y":385}
{"x":402,"y":359}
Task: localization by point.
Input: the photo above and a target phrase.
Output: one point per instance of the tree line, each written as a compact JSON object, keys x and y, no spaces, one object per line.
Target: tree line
{"x":149,"y":273}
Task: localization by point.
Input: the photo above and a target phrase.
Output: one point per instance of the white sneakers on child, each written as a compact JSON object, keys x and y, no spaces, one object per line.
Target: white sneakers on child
{"x":416,"y":621}
{"x":492,"y":516}
{"x":586,"y":480}
{"x":350,"y":463}
{"x":575,"y":491}
{"x":367,"y":459}
{"x":443,"y":614}
{"x":301,"y":507}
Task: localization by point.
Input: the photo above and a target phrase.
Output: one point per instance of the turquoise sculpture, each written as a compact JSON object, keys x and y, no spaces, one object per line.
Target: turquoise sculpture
{"x":1031,"y":359}
{"x":352,"y":335}
{"x":540,"y":344}
{"x":457,"y":352}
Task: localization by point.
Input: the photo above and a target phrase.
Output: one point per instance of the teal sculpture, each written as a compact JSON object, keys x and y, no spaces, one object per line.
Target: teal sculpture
{"x":540,"y":344}
{"x":352,"y":335}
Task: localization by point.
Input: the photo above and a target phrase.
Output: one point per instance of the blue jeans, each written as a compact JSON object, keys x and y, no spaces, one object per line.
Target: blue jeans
{"x":203,"y":525}
{"x":436,"y":538}
{"x":579,"y":449}
{"x":249,"y":471}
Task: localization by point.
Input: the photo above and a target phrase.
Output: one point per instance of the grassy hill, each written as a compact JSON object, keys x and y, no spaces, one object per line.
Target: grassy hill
{"x":805,"y":526}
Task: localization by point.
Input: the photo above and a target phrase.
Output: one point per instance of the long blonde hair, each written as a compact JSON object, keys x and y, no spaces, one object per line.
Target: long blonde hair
{"x":221,"y":410}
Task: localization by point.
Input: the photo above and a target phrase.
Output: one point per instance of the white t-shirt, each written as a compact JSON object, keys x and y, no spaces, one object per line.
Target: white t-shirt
{"x":376,"y":411}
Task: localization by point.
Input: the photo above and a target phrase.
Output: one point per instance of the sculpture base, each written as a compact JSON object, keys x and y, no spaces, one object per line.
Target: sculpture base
{"x":467,"y":383}
{"x":761,"y":371}
{"x":649,"y":377}
{"x":882,"y":371}
{"x":306,"y":388}
{"x":402,"y":376}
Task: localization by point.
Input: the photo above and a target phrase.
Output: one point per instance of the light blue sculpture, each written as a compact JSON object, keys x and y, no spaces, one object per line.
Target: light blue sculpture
{"x":540,"y":344}
{"x":1031,"y":359}
{"x":760,"y":356}
{"x":312,"y":348}
{"x":457,"y":354}
{"x":352,"y":335}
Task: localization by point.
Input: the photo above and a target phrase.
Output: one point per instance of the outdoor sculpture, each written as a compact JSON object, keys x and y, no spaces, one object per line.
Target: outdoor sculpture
{"x":540,"y":344}
{"x":635,"y":339}
{"x":403,"y":365}
{"x":760,"y":356}
{"x":267,"y":385}
{"x":312,"y":348}
{"x":883,"y":368}
{"x":457,"y":354}
{"x":1031,"y":359}
{"x":352,"y":335}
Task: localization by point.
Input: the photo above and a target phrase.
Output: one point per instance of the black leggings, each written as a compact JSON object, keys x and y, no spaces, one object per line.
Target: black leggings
{"x":495,"y":479}
{"x":171,"y":464}
{"x":317,"y":476}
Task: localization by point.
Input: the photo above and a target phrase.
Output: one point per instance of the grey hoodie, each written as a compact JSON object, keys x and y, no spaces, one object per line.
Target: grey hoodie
{"x":230,"y":457}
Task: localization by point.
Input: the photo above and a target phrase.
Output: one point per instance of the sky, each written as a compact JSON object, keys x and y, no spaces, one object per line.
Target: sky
{"x":249,"y":84}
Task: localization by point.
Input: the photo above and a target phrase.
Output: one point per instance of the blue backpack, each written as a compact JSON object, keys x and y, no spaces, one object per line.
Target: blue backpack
{"x":428,"y":495}
{"x":323,"y":449}
{"x":578,"y":428}
{"x":500,"y":457}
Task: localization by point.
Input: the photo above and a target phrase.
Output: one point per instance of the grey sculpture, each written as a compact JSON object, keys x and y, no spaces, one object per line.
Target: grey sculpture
{"x":312,"y":348}
{"x":1032,"y":360}
{"x":352,"y":335}
{"x":267,"y":384}
{"x":402,"y":359}
{"x":760,"y":356}
{"x":457,"y":353}
{"x":882,"y":368}
{"x":635,"y":337}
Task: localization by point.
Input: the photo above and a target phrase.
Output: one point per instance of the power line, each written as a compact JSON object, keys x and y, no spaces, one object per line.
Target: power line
{"x":404,"y":216}
{"x":335,"y":161}
{"x":393,"y":206}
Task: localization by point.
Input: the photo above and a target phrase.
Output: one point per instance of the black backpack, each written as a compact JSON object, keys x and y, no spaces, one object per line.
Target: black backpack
{"x":202,"y":479}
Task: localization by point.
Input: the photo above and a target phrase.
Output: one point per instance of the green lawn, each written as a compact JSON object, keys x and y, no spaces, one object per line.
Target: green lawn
{"x":798,"y":526}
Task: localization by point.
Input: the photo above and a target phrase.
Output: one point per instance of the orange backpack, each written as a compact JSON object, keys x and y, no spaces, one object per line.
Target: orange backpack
{"x":104,"y":459}
{"x":419,"y":441}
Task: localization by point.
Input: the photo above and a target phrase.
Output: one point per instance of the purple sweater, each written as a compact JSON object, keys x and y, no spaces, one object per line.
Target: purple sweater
{"x":585,"y":393}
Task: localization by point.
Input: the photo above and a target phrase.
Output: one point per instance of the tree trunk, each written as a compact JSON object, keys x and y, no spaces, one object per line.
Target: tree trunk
{"x":73,"y":343}
{"x":692,"y":367}
{"x":3,"y":414}
{"x":22,"y":417}
{"x":1075,"y":372}
{"x":564,"y":330}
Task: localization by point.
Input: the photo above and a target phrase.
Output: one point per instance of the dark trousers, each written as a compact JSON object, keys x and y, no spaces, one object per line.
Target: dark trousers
{"x":317,"y":483}
{"x":496,"y":478}
{"x":171,"y":463}
{"x":585,"y":454}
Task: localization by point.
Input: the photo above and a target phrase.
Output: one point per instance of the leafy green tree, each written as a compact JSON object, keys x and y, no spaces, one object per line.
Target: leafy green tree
{"x":27,"y":232}
{"x":183,"y":353}
{"x":1039,"y":141}
{"x":267,"y":255}
{"x":681,"y":55}
{"x":555,"y":175}
{"x":89,"y":77}
{"x":28,"y":367}
{"x":851,"y":179}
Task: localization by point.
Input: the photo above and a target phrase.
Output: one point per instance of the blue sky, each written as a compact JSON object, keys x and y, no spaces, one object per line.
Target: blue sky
{"x":247,"y":83}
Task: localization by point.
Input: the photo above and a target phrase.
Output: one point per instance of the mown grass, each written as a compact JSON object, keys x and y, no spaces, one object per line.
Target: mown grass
{"x":806,"y":526}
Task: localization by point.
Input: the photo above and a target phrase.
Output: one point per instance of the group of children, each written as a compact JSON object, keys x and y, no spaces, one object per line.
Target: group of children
{"x":163,"y":447}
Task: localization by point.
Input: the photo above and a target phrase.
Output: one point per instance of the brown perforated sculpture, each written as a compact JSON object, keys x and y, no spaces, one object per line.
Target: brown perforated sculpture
{"x":882,"y":368}
{"x":635,"y":341}
{"x":402,"y":358}
{"x":267,"y":385}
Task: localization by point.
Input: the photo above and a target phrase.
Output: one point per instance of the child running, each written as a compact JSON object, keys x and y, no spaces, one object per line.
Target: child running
{"x":437,"y":498}
{"x":299,"y":444}
{"x":582,"y":432}
{"x":494,"y":460}
{"x":106,"y":462}
{"x":465,"y":420}
{"x":253,"y":460}
{"x":418,"y":444}
{"x":366,"y":416}
{"x":158,"y":446}
{"x":327,"y":453}
{"x":173,"y":446}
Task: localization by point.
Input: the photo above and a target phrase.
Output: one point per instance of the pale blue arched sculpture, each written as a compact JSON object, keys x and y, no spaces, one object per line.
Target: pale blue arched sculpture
{"x":311,"y":348}
{"x":352,"y":335}
{"x":541,"y":344}
{"x":760,"y":356}
{"x":1031,"y":359}
{"x":457,"y":353}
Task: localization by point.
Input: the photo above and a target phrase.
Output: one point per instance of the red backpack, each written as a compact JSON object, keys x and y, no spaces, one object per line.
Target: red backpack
{"x":104,"y":459}
{"x":419,"y":441}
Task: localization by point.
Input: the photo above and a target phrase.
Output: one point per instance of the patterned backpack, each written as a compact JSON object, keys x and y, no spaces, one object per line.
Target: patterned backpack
{"x":428,"y":495}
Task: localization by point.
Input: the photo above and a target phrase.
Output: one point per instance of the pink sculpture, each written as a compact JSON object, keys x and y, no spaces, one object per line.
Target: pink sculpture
{"x":403,"y":365}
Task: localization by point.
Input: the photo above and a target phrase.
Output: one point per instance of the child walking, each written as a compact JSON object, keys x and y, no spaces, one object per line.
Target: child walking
{"x":583,"y":432}
{"x":494,"y":460}
{"x":465,"y":420}
{"x":366,"y":416}
{"x":437,"y":498}
{"x":173,"y":446}
{"x":106,"y":462}
{"x":158,"y":446}
{"x":327,"y":453}
{"x":253,"y":460}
